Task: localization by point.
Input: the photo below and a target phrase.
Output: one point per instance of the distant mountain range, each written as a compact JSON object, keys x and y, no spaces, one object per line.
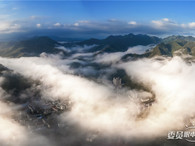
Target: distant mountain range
{"x":31,"y":47}
{"x":118,"y":43}
{"x":170,"y":46}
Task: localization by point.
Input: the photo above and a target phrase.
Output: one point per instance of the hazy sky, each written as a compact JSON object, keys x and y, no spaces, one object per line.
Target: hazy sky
{"x":97,"y":18}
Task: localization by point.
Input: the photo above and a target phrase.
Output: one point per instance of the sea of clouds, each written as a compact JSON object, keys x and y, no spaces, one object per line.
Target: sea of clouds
{"x":97,"y":107}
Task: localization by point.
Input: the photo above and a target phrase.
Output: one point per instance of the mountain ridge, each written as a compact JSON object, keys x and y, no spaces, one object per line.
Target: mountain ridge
{"x":119,"y":43}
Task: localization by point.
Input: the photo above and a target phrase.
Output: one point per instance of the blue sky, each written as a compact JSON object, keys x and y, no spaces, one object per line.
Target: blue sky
{"x":97,"y":18}
{"x":71,"y":11}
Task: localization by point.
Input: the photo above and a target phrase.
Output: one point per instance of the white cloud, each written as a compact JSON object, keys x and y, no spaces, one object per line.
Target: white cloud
{"x":100,"y":105}
{"x":101,"y":29}
{"x":12,"y":132}
{"x":157,"y":22}
{"x":38,"y":25}
{"x":76,"y":24}
{"x":8,"y":27}
{"x":164,"y":23}
{"x":192,"y":24}
{"x":183,"y":25}
{"x":165,"y":19}
{"x":63,"y":48}
{"x":34,"y":17}
{"x":99,"y":108}
{"x":57,"y":24}
{"x":81,"y":23}
{"x":132,"y":22}
{"x":108,"y":58}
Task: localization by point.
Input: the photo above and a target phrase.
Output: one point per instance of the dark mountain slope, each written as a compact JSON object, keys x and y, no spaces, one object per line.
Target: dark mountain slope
{"x":117,"y":43}
{"x":175,"y":45}
{"x":168,"y":49}
{"x":31,"y":47}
